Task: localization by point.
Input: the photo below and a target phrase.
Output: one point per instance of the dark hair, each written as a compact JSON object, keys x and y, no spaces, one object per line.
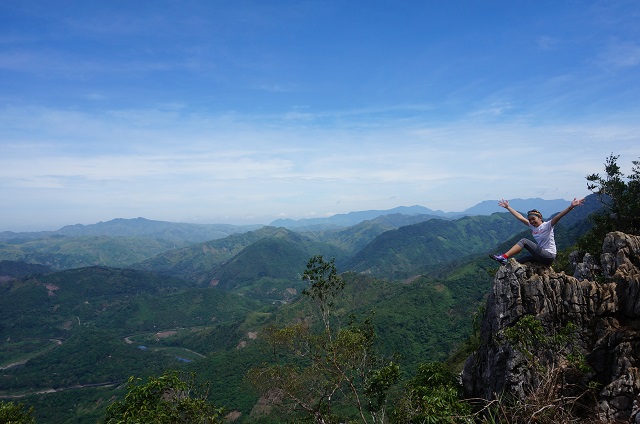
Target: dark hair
{"x":535,"y":212}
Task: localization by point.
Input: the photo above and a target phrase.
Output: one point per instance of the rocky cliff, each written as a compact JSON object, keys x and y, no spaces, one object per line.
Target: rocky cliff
{"x":604,"y":318}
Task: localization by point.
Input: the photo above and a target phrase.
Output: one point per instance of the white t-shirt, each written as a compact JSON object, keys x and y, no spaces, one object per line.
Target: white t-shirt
{"x":544,"y":236}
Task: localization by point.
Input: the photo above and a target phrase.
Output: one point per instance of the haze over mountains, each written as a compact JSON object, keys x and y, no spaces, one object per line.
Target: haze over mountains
{"x":265,"y":261}
{"x":171,"y":231}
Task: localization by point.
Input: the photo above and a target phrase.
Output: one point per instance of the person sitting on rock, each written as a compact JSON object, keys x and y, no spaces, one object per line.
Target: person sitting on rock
{"x":545,"y":249}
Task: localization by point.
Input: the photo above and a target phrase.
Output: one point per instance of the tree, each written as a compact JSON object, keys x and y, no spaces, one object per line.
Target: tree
{"x":326,"y":370}
{"x":432,"y":396}
{"x":620,"y":197}
{"x":16,"y":413}
{"x":168,"y":399}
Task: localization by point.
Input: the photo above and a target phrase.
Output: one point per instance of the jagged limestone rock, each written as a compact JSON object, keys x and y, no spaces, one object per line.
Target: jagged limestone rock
{"x":607,"y":320}
{"x":585,"y":266}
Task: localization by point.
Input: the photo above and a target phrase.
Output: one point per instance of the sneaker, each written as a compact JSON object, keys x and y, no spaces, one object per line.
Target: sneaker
{"x":499,"y":258}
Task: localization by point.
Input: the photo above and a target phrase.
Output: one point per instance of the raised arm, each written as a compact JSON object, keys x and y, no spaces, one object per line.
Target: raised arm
{"x":562,"y":213}
{"x":505,"y":204}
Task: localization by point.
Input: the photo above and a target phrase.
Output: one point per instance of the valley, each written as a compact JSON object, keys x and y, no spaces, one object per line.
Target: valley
{"x":79,"y":315}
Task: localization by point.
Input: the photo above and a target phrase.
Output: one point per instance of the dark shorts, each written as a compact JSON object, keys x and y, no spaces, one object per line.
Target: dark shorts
{"x":536,"y":253}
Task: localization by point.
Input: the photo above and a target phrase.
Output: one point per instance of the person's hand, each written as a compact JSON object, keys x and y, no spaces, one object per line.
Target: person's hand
{"x":505,"y":203}
{"x":576,"y":202}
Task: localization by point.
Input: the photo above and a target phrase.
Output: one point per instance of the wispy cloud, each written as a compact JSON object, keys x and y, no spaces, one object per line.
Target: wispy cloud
{"x":621,"y":54}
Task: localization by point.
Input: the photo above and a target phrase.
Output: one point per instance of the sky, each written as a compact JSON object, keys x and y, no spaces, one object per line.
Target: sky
{"x":246,"y":111}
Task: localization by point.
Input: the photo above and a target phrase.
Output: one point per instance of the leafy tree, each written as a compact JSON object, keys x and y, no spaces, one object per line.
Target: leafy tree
{"x":326,"y":371}
{"x":324,"y":285}
{"x":15,"y":413}
{"x":168,"y":399}
{"x":620,"y":196}
{"x":432,"y":396}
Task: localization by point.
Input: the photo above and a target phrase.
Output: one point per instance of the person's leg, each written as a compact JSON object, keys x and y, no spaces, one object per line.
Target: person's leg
{"x":525,"y":259}
{"x":537,"y":253}
{"x":517,"y":248}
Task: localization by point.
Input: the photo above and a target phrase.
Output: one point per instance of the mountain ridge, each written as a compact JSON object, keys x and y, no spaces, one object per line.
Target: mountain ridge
{"x":202,"y":232}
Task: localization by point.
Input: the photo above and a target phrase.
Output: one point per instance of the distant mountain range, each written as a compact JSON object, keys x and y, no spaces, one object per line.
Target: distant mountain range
{"x":125,"y":242}
{"x":487,"y":207}
{"x":178,"y":233}
{"x":195,"y":233}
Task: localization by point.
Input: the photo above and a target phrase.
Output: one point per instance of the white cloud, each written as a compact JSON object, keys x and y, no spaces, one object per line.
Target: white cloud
{"x":187,"y":169}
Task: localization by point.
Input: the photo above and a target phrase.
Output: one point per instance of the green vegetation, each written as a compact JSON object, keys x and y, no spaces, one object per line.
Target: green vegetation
{"x":168,"y":399}
{"x":71,"y":339}
{"x":432,"y":396}
{"x":424,"y":247}
{"x":15,"y":413}
{"x":61,"y":252}
{"x":551,"y":399}
{"x":620,"y":197}
{"x":325,"y":369}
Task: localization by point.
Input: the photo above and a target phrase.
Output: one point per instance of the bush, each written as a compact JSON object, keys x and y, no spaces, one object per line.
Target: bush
{"x":15,"y":413}
{"x":168,"y":399}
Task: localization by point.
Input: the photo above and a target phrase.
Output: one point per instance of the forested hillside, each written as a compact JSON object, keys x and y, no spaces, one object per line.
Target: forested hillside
{"x":82,"y":332}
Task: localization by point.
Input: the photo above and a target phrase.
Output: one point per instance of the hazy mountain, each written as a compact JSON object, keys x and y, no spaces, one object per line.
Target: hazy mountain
{"x":196,"y":262}
{"x":353,"y":238}
{"x":353,"y":218}
{"x":178,"y":233}
{"x":546,"y":207}
{"x":487,"y":207}
{"x":185,"y":233}
{"x":262,"y":263}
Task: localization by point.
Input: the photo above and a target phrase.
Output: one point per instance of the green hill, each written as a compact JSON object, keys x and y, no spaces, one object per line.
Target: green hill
{"x":271,"y":266}
{"x":414,"y":248}
{"x":13,"y":269}
{"x":354,"y":238}
{"x":61,"y":252}
{"x":196,"y":262}
{"x":263,"y":264}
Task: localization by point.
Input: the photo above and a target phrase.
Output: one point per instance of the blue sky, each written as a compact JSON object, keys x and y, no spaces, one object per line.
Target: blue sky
{"x":245,"y":111}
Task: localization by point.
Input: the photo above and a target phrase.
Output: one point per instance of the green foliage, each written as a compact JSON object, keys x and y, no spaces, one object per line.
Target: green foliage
{"x":168,"y":399}
{"x":327,"y":372}
{"x":527,"y":335}
{"x":15,"y":413}
{"x":378,"y":384}
{"x":620,"y":196}
{"x":559,"y":390}
{"x":324,"y":284}
{"x":432,"y":396}
{"x":74,"y":336}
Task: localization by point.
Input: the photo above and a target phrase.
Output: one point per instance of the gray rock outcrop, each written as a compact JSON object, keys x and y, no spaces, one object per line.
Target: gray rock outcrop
{"x":605,"y":315}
